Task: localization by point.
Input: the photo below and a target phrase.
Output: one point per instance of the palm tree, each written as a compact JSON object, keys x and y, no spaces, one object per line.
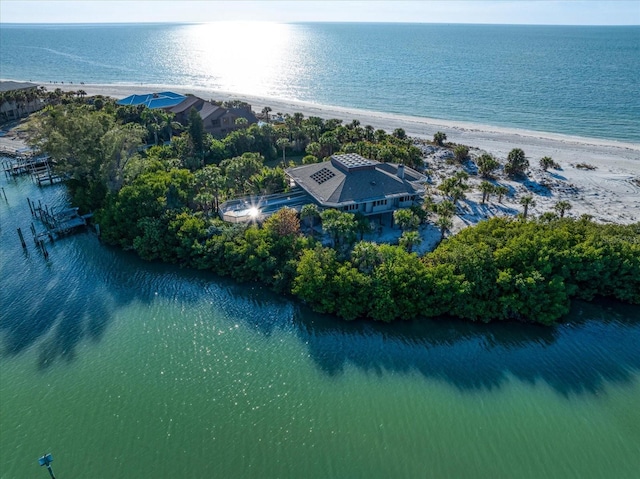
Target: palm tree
{"x":368,"y":132}
{"x":546,"y":162}
{"x":297,"y":118}
{"x":446,"y":208}
{"x":310,"y":212}
{"x":409,"y":239}
{"x":486,"y":188}
{"x":501,"y":190}
{"x":265,"y":113}
{"x":328,"y":142}
{"x":399,"y":133}
{"x":379,"y":135}
{"x":517,"y":163}
{"x":366,"y":257}
{"x":439,"y":138}
{"x":460,"y":153}
{"x":561,"y":207}
{"x":283,"y":144}
{"x":527,"y":201}
{"x":445,"y":224}
{"x":407,"y":220}
{"x":486,"y":164}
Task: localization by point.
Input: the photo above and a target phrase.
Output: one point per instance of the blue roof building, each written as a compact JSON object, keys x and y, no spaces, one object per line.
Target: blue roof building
{"x":165,"y":99}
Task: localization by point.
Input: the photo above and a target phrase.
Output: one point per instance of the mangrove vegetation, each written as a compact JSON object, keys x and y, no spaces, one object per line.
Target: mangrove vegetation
{"x":155,"y":188}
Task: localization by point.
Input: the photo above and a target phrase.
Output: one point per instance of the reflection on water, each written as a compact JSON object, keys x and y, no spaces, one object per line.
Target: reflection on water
{"x":57,"y":304}
{"x":162,"y":368}
{"x":579,"y":357}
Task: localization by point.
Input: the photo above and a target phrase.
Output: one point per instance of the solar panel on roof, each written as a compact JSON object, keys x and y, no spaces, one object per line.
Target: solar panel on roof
{"x":322,"y":175}
{"x":352,"y":160}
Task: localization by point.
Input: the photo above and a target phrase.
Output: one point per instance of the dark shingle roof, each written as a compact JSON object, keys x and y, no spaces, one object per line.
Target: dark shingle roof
{"x":331,"y":185}
{"x":186,"y":104}
{"x":14,"y":85}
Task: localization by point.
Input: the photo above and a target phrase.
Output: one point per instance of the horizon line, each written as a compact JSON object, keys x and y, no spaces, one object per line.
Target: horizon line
{"x":387,"y":22}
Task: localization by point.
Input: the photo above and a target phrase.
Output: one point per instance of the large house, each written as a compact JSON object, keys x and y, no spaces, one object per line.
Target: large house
{"x":356,"y":184}
{"x":346,"y":182}
{"x":217,"y":120}
{"x":18,"y":99}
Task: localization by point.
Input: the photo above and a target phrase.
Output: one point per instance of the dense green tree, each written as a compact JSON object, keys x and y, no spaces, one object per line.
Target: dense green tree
{"x":314,"y":282}
{"x":196,"y":132}
{"x":239,"y":171}
{"x":118,"y":145}
{"x":149,"y":196}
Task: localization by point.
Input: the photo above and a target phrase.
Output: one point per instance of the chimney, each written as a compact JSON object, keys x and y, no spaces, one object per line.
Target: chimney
{"x":401,"y":172}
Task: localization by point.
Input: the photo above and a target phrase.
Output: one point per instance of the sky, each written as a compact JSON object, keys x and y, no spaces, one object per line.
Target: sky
{"x":559,"y":12}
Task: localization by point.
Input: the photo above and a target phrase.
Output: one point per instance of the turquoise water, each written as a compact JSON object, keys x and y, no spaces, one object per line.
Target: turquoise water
{"x":573,"y":80}
{"x":123,"y":368}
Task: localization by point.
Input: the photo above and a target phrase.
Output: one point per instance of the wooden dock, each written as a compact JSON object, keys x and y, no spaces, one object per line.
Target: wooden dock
{"x":41,"y":169}
{"x":59,"y":223}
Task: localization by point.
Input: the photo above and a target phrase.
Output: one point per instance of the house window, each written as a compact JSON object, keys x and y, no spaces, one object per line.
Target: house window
{"x":350,"y":207}
{"x":216,"y":122}
{"x":379,"y":203}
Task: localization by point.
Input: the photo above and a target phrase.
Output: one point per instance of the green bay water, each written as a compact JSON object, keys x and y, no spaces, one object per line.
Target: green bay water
{"x":123,"y":368}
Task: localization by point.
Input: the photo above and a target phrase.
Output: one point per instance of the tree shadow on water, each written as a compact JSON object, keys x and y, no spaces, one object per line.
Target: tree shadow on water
{"x":55,"y":305}
{"x":598,"y":344}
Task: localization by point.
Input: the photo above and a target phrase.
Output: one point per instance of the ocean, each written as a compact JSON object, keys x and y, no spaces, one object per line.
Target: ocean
{"x":563,"y":79}
{"x":126,"y":368}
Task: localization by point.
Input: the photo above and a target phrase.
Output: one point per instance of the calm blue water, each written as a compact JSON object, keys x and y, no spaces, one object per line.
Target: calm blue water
{"x":573,"y":80}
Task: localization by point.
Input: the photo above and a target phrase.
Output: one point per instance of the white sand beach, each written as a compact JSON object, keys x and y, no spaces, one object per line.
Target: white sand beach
{"x":610,"y":192}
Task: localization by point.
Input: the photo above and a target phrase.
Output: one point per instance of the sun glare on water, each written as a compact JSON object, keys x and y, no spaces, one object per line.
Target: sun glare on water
{"x":242,"y":57}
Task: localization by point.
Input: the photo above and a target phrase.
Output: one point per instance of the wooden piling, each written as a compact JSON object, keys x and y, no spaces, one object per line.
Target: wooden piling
{"x":5,"y":195}
{"x":33,"y":232}
{"x":43,"y":248}
{"x":31,"y":207}
{"x":24,"y":245}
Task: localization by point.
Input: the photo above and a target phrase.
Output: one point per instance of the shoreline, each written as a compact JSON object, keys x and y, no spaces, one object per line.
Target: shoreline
{"x":413,"y":123}
{"x":609,"y":193}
